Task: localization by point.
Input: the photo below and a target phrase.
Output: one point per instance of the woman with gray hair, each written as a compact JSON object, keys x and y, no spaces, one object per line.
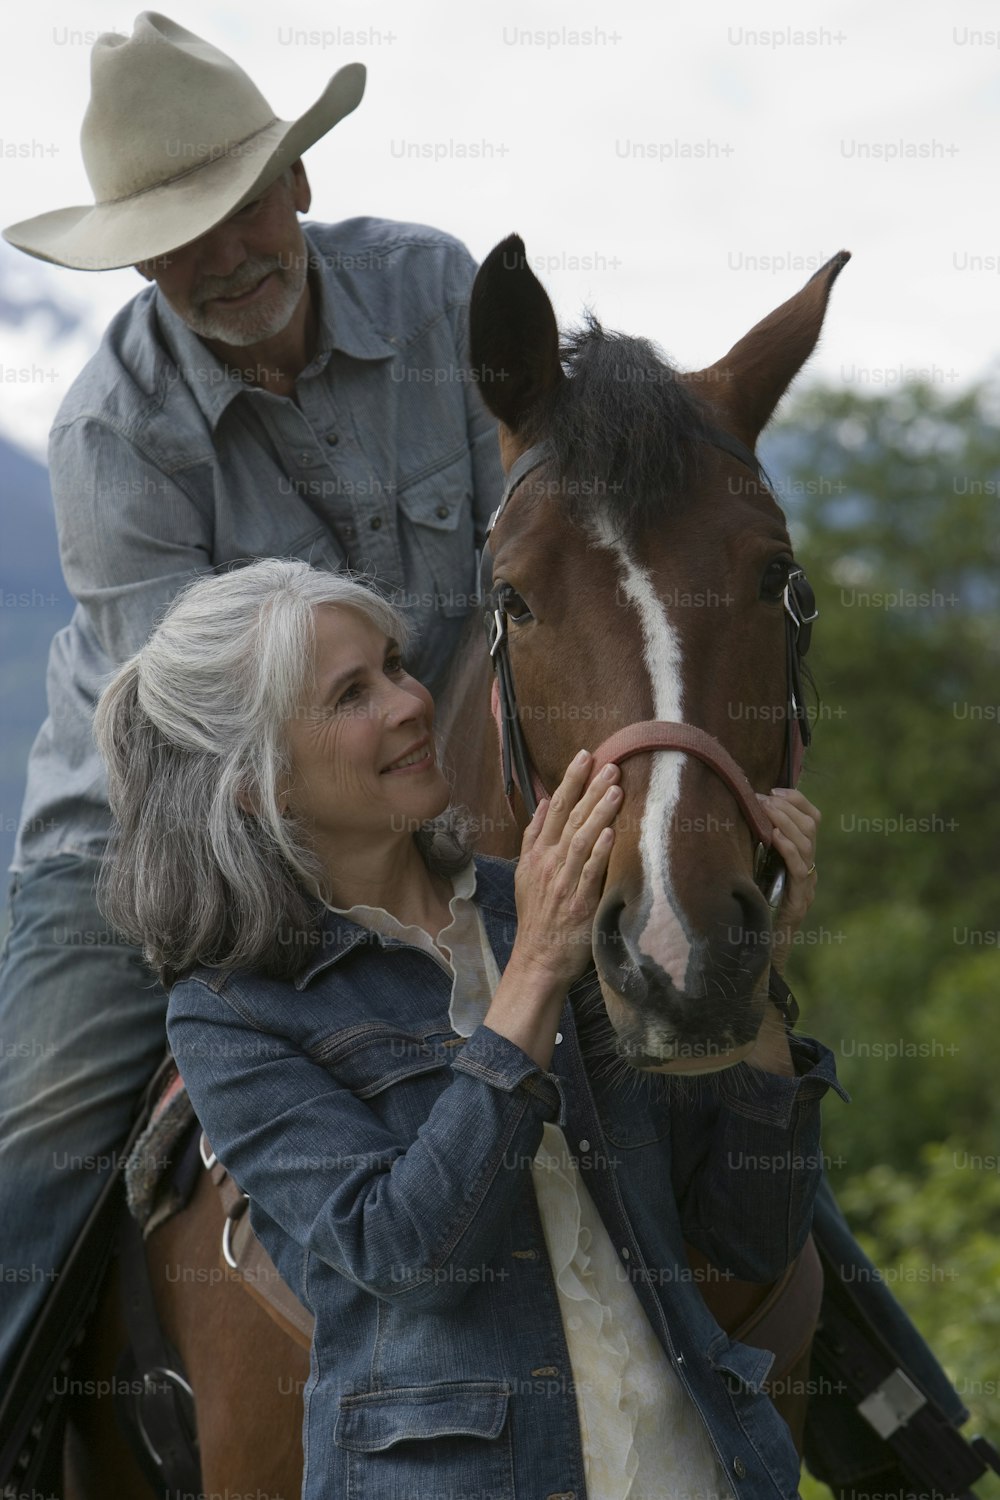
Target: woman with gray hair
{"x":216,"y":863}
{"x":379,"y":1036}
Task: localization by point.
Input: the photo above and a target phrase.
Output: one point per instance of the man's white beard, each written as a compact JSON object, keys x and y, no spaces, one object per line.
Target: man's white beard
{"x":241,"y":327}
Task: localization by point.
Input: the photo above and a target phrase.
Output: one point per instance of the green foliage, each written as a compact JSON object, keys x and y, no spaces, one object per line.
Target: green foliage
{"x":935,"y":1234}
{"x":894,"y":502}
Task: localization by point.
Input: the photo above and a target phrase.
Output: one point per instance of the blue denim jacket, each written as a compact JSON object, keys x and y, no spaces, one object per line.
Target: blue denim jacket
{"x":388,"y":1165}
{"x":165,"y":464}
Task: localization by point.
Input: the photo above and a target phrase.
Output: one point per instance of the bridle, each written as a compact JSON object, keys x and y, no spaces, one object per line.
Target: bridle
{"x":800,"y":611}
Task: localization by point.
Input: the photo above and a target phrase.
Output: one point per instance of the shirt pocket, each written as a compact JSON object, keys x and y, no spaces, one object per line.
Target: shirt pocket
{"x":437,"y":530}
{"x":450,"y":1438}
{"x":628,"y":1120}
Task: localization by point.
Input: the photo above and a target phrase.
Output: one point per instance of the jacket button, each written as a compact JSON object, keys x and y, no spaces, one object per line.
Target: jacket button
{"x":441,"y":512}
{"x":333,"y":439}
{"x":739,"y":1468}
{"x":376,"y":522}
{"x":584,"y":1145}
{"x":558,"y":1037}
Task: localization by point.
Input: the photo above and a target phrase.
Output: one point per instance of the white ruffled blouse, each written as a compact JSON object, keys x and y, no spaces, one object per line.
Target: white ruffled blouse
{"x":641,"y":1435}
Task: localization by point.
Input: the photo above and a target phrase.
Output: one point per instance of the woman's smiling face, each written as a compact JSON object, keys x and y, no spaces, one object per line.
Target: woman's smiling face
{"x":362,"y":751}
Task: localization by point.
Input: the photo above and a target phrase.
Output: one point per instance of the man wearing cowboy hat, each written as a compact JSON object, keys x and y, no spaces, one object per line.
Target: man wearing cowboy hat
{"x":274,"y":391}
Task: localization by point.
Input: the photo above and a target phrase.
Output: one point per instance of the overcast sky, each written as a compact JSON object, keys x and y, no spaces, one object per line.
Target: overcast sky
{"x":680,"y":169}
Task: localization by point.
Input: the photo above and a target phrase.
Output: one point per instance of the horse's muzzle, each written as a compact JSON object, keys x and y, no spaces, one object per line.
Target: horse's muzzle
{"x":710,"y":1020}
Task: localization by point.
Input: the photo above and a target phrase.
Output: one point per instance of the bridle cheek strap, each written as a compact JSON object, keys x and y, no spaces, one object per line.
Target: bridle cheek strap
{"x":504,"y":734}
{"x":798,"y":754}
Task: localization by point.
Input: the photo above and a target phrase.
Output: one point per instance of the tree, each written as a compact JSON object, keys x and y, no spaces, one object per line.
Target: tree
{"x":893,"y":504}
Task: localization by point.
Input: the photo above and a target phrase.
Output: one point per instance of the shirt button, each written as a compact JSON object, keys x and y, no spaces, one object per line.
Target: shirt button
{"x":626,"y":1255}
{"x":375,"y":523}
{"x":441,"y":512}
{"x":333,"y":439}
{"x":574,"y":1323}
{"x":584,"y":1145}
{"x":739,"y":1468}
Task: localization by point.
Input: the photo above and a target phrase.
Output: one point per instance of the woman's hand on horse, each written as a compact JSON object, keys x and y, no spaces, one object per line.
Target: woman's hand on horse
{"x":560,"y":874}
{"x":796,"y":824}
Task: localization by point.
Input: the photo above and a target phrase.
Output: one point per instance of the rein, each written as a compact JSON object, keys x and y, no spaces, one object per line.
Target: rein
{"x":655,"y":734}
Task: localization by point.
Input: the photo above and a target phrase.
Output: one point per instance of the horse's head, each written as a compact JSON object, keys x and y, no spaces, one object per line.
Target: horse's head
{"x":643,"y":567}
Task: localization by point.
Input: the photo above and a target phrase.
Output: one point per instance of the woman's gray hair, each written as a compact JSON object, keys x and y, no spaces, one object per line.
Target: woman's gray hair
{"x":192,"y":730}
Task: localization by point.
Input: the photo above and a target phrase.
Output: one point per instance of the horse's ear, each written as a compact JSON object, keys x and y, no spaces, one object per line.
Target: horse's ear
{"x":748,"y":382}
{"x":513,"y":336}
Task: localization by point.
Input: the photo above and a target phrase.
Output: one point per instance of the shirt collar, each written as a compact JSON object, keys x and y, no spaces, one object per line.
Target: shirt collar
{"x":338,"y":934}
{"x":342,"y":323}
{"x":463,"y":886}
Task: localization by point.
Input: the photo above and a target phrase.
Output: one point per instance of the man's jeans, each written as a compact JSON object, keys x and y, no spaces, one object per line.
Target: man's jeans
{"x":81,"y":1033}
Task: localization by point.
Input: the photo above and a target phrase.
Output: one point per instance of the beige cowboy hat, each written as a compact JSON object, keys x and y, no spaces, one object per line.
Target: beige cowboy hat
{"x":175,"y":139}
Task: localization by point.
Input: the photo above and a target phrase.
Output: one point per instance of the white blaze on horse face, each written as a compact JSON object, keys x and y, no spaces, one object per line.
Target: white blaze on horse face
{"x":663,"y":938}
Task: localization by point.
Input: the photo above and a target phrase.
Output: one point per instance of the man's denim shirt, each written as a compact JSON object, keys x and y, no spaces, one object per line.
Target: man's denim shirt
{"x":388,"y":1165}
{"x":164,"y":464}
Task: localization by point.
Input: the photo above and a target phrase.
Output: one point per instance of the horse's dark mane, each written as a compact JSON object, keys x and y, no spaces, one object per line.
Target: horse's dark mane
{"x":626,"y":432}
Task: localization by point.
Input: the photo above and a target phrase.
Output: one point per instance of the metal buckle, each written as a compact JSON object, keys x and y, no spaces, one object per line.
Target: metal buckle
{"x":500,"y":631}
{"x":764,"y":857}
{"x":235,"y":1213}
{"x":208,"y":1156}
{"x":149,"y":1383}
{"x":790,"y":594}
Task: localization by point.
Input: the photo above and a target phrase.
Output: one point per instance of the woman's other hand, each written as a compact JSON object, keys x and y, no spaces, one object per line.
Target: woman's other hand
{"x":557,"y":886}
{"x":796,"y":824}
{"x":561,"y":871}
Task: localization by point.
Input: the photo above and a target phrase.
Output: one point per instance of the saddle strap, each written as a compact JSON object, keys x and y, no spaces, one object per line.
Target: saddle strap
{"x":27,"y":1406}
{"x":786,"y":1319}
{"x":159,"y":1420}
{"x":245,"y":1258}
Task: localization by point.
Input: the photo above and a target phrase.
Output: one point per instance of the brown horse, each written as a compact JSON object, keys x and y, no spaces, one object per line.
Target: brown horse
{"x":642,"y":567}
{"x":642,"y":570}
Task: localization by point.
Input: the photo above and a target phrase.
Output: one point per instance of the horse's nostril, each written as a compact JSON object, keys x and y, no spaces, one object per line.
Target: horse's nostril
{"x":608,"y":941}
{"x":748,"y":935}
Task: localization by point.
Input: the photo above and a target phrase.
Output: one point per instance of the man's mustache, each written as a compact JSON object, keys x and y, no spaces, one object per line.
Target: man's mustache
{"x":249,"y":275}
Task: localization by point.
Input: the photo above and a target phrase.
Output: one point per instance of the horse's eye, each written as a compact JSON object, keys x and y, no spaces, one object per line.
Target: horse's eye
{"x":513,"y":605}
{"x":775,"y":578}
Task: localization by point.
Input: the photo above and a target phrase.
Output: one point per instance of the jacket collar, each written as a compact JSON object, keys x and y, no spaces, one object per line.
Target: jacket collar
{"x":494,"y":895}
